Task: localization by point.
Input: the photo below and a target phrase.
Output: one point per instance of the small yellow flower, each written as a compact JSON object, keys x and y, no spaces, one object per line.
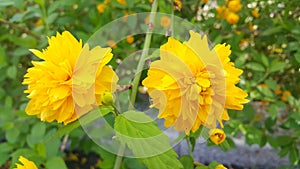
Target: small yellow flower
{"x":284,"y":95}
{"x":222,"y":12}
{"x":112,"y":44}
{"x":39,"y":22}
{"x":255,"y":13}
{"x":130,"y":39}
{"x":232,"y":18}
{"x":59,"y":84}
{"x":217,"y":136}
{"x":204,"y":1}
{"x":234,"y":5}
{"x":251,"y":26}
{"x":220,"y":166}
{"x":25,"y":164}
{"x":165,"y":21}
{"x":151,"y":1}
{"x":177,"y":5}
{"x":123,"y":2}
{"x":101,"y":8}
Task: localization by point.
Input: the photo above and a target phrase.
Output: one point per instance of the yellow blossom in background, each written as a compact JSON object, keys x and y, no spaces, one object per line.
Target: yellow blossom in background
{"x":101,"y":8}
{"x":255,"y":13}
{"x":130,"y":39}
{"x":112,"y":44}
{"x":222,"y":12}
{"x":251,"y":26}
{"x":177,"y":5}
{"x":204,"y":1}
{"x":25,"y":164}
{"x":151,"y":1}
{"x":278,"y":90}
{"x":232,"y":18}
{"x":284,"y":95}
{"x":39,"y":22}
{"x":58,"y":83}
{"x":184,"y":92}
{"x":123,"y":2}
{"x":220,"y":166}
{"x":234,"y":5}
{"x":217,"y":136}
{"x":106,"y":2}
{"x":165,"y":21}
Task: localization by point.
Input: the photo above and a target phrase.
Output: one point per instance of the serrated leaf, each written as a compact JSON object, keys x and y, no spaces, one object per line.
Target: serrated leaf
{"x":146,"y":140}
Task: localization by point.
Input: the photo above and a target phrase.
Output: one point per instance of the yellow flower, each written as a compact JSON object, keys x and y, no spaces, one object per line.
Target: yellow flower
{"x":217,"y":136}
{"x":284,"y":95}
{"x":177,"y":5}
{"x":59,"y":84}
{"x":190,"y":92}
{"x":220,"y":166}
{"x":222,"y":12}
{"x":204,"y":1}
{"x":39,"y":22}
{"x":234,"y":5}
{"x":106,"y":2}
{"x":123,"y":2}
{"x":130,"y":39}
{"x":25,"y":164}
{"x":151,"y":1}
{"x":112,"y":44}
{"x":101,"y":8}
{"x":255,"y":13}
{"x":232,"y":18}
{"x":165,"y":21}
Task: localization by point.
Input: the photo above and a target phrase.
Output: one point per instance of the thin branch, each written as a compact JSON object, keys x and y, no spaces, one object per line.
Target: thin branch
{"x":22,"y":29}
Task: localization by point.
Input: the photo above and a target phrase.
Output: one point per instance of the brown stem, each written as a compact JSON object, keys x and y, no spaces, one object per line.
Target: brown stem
{"x":24,"y":30}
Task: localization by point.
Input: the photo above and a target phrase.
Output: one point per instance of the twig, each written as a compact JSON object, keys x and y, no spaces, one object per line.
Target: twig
{"x":24,"y":30}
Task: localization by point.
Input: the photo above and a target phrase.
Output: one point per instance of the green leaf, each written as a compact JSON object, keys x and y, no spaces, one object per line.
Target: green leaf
{"x":297,"y":56}
{"x":146,"y":140}
{"x":255,"y":66}
{"x":273,"y":110}
{"x":11,"y":72}
{"x":271,"y":31}
{"x":277,"y":66}
{"x":56,"y":163}
{"x":271,"y":84}
{"x":40,"y":2}
{"x":12,"y":135}
{"x":187,"y":161}
{"x":4,"y":3}
{"x":294,"y":156}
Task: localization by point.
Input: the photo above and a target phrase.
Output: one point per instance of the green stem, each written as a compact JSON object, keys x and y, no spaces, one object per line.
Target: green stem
{"x":189,"y":146}
{"x":136,"y":80}
{"x":140,"y":66}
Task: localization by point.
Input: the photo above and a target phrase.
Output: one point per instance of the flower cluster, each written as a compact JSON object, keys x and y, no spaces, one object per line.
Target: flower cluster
{"x":229,"y":11}
{"x":192,"y":85}
{"x":68,"y":77}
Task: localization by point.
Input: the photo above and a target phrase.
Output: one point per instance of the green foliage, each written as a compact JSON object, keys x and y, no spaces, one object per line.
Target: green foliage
{"x":268,"y":53}
{"x":138,"y":131}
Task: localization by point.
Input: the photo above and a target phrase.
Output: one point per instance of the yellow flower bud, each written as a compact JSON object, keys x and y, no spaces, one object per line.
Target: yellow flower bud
{"x":107,"y":98}
{"x":220,"y":166}
{"x":101,"y":8}
{"x":217,"y":136}
{"x":129,"y":39}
